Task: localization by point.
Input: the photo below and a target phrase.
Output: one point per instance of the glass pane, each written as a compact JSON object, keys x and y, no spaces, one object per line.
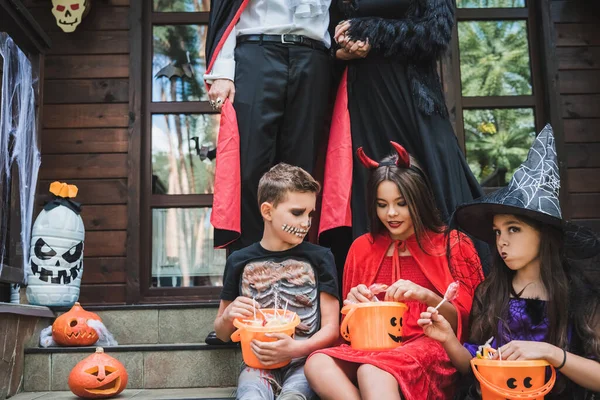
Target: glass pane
{"x":182,"y":249}
{"x":497,"y":142}
{"x":490,"y":3}
{"x":183,"y":150}
{"x":178,"y":63}
{"x":494,"y":58}
{"x":181,"y":5}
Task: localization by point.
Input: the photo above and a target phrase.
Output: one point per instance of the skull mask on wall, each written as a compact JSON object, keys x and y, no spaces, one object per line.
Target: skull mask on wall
{"x":56,"y":254}
{"x":69,"y":13}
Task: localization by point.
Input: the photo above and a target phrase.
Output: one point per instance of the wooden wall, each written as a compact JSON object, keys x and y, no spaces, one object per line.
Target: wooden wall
{"x":85,"y":137}
{"x":577,"y":36}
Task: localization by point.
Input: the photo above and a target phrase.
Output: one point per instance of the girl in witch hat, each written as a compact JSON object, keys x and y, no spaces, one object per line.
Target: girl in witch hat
{"x":405,"y":250}
{"x":542,"y":297}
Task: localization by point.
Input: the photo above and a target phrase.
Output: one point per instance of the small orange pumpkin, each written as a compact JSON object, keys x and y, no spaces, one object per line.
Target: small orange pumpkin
{"x":71,"y":328}
{"x":98,"y":376}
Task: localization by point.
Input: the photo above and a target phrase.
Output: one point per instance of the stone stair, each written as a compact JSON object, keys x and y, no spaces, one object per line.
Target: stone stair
{"x":142,"y":394}
{"x":161,"y":346}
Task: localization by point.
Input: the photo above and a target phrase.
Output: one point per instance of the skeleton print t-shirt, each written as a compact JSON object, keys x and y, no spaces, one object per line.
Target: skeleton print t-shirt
{"x":296,"y":276}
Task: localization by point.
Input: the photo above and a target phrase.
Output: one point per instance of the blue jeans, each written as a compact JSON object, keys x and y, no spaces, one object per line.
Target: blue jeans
{"x":286,"y":383}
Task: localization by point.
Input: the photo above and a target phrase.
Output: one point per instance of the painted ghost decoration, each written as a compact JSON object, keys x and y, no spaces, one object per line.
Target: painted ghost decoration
{"x":57,"y":251}
{"x":69,"y":13}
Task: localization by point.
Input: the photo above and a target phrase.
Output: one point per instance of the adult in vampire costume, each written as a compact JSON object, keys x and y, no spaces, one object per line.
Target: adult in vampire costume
{"x":269,"y":72}
{"x":391,"y":91}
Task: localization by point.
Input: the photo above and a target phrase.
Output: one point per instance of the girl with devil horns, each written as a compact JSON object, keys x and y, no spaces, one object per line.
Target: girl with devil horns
{"x":408,"y":251}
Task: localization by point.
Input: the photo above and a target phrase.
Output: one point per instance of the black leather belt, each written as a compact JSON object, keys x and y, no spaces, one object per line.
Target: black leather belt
{"x":298,"y":40}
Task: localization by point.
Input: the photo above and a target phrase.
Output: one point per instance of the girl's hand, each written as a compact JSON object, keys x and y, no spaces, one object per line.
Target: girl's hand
{"x":269,"y":353}
{"x":435,"y":325}
{"x":406,"y":290}
{"x":528,"y":350}
{"x":242,"y":307}
{"x":359,"y":294}
{"x":342,"y":54}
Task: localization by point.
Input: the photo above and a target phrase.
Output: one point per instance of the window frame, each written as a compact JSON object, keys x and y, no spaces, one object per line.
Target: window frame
{"x":149,"y":201}
{"x":452,"y":79}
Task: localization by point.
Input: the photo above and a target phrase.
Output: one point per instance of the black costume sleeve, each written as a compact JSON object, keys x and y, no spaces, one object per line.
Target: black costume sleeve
{"x":328,"y":282}
{"x":423,"y":35}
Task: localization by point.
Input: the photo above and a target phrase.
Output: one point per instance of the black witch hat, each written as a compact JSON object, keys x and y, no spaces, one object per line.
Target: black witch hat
{"x":532,"y":192}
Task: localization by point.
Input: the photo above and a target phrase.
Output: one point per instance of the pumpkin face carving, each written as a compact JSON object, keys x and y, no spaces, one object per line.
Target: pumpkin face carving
{"x":98,"y":376}
{"x":71,"y":328}
{"x":395,"y":332}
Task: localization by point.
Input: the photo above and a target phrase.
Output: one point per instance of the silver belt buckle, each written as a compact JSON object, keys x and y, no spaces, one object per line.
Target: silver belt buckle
{"x":283,"y":41}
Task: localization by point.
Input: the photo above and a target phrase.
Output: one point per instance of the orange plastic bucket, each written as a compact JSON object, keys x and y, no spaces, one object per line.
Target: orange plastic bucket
{"x":247,"y":332}
{"x":512,"y":380}
{"x":373,"y":326}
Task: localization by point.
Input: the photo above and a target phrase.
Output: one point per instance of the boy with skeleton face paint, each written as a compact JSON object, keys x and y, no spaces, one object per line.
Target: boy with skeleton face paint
{"x":282,"y":268}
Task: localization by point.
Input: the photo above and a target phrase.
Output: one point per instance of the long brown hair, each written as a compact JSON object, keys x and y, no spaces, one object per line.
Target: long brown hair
{"x":490,"y":305}
{"x":414,"y":187}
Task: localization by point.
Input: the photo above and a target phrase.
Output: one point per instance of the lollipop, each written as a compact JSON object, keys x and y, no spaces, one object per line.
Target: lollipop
{"x":451,"y":293}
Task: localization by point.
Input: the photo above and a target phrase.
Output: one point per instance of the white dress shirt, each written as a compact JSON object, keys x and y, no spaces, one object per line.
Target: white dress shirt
{"x":272,"y":17}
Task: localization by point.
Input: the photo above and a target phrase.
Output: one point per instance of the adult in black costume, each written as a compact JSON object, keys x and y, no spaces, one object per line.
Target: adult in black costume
{"x":394,"y":94}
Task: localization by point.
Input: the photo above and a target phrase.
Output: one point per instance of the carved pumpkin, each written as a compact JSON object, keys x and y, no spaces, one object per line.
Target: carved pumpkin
{"x":71,"y":328}
{"x":98,"y":376}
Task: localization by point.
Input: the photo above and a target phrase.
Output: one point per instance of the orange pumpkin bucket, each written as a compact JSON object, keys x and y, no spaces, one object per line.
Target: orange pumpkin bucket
{"x":373,"y":326}
{"x":247,"y":332}
{"x":512,"y":380}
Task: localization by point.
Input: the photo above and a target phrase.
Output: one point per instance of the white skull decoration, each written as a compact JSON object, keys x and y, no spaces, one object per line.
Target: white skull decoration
{"x":56,"y":255}
{"x":69,"y":13}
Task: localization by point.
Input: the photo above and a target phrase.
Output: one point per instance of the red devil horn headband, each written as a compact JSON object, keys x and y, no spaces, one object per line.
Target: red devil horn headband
{"x":403,"y":160}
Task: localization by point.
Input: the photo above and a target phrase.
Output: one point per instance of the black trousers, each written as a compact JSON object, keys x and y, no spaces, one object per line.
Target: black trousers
{"x":281,"y":102}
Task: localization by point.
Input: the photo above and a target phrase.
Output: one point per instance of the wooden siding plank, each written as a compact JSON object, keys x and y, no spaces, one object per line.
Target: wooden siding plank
{"x":102,"y":294}
{"x":104,"y":3}
{"x":583,"y":180}
{"x":585,"y":205}
{"x":89,"y":42}
{"x":571,"y":11}
{"x":103,"y":270}
{"x":581,"y":130}
{"x":578,"y":57}
{"x":581,"y":106}
{"x":99,"y":19}
{"x":577,"y":35}
{"x":87,"y":66}
{"x":91,"y":191}
{"x":86,"y":91}
{"x":583,"y":155}
{"x":102,"y":218}
{"x":86,"y":116}
{"x":579,"y":82}
{"x":105,"y":243}
{"x":77,"y":166}
{"x":62,"y":141}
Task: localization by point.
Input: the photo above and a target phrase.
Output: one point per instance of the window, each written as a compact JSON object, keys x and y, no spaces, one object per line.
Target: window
{"x":178,"y":258}
{"x":497,"y":94}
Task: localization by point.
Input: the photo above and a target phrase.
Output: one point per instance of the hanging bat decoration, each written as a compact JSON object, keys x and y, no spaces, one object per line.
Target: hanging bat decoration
{"x":173,"y":69}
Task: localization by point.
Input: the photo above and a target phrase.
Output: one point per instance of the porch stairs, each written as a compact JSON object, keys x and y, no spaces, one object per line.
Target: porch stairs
{"x":162,"y":348}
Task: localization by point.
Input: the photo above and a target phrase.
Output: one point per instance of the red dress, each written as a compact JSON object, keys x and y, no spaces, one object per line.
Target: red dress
{"x":421,"y":365}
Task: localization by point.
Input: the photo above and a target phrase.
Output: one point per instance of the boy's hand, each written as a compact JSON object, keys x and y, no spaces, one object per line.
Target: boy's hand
{"x":404,"y":290}
{"x":435,"y":325}
{"x":241,"y":307}
{"x":359,"y":294}
{"x":269,"y":353}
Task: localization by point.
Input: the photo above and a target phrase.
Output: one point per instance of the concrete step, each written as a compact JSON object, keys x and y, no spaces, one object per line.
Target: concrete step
{"x":143,"y":394}
{"x":151,"y":366}
{"x":156,"y":323}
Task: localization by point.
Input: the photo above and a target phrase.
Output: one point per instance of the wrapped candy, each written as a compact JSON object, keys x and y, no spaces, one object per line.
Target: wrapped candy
{"x":451,"y":293}
{"x":377,"y":288}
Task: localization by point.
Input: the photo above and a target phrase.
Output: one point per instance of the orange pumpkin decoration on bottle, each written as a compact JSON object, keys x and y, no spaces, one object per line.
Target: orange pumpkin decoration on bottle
{"x":71,"y":328}
{"x":98,"y":376}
